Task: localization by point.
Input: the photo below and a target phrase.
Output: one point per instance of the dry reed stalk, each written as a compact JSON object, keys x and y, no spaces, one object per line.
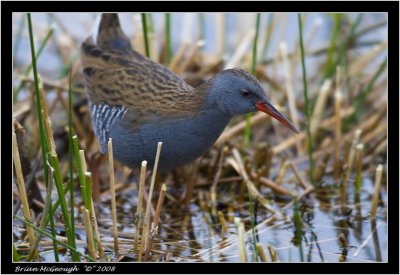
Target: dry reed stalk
{"x":75,"y":120}
{"x":322,"y":167}
{"x":92,"y":211}
{"x":89,"y":232}
{"x":137,"y":39}
{"x":290,"y":90}
{"x":316,"y":24}
{"x":191,"y":56}
{"x":270,"y":184}
{"x":241,"y":241}
{"x":46,"y":209}
{"x":282,"y":171}
{"x":231,"y":213}
{"x":154,"y":225}
{"x":358,"y":65}
{"x":177,"y":59}
{"x":222,"y":221}
{"x":272,"y":253}
{"x":97,"y":232}
{"x":380,"y":129}
{"x":344,"y":244}
{"x":261,"y":251}
{"x":239,"y":128}
{"x":380,"y":147}
{"x":22,"y":193}
{"x":241,"y":50}
{"x":356,"y":139}
{"x":213,"y":189}
{"x":371,"y":122}
{"x":153,"y":179}
{"x":348,"y":169}
{"x":375,"y":197}
{"x":358,"y":161}
{"x":338,"y":121}
{"x":239,"y":167}
{"x":226,"y":244}
{"x":296,"y":172}
{"x":113,"y":201}
{"x":268,"y":161}
{"x":220,"y":33}
{"x":153,"y":46}
{"x":319,"y":108}
{"x":192,"y":180}
{"x":139,"y":216}
{"x":213,"y":196}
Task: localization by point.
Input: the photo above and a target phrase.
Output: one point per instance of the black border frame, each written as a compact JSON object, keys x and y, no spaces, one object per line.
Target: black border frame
{"x":390,"y":7}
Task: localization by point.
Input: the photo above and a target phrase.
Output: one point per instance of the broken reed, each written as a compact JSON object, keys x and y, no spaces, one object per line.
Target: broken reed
{"x":70,"y":163}
{"x":241,"y":241}
{"x":307,"y":103}
{"x":113,"y":202}
{"x":22,"y":191}
{"x":146,"y":227}
{"x":375,"y":197}
{"x":139,"y":218}
{"x":154,"y":225}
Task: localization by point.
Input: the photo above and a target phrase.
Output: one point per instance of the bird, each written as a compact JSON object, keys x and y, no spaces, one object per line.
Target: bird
{"x":138,"y":102}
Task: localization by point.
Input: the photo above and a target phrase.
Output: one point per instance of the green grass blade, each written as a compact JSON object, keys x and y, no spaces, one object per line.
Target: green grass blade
{"x":330,"y":66}
{"x":29,"y":68}
{"x":270,"y":27}
{"x":307,"y":104}
{"x":53,"y":231}
{"x":202,"y":26}
{"x":350,"y":39}
{"x":53,"y":160}
{"x":247,"y":130}
{"x":360,"y":100}
{"x":74,"y":256}
{"x":15,"y":254}
{"x":145,"y":35}
{"x":37,"y":229}
{"x":168,"y":46}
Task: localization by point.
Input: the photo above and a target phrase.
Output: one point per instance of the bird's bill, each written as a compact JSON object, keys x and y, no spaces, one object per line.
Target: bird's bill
{"x":267,"y":108}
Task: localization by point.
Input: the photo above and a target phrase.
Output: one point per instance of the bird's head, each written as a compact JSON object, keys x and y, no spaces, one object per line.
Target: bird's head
{"x":236,"y":91}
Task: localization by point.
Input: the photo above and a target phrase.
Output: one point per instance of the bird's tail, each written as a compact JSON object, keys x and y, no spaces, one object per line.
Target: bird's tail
{"x":108,"y":34}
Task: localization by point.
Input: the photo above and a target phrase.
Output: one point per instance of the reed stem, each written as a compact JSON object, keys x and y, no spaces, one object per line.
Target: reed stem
{"x":247,"y":131}
{"x":375,"y":197}
{"x":139,"y":216}
{"x":307,"y":105}
{"x":22,"y":192}
{"x":113,"y":202}
{"x":145,"y":35}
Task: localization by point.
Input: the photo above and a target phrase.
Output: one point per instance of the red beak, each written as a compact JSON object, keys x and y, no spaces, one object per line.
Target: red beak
{"x":267,"y":108}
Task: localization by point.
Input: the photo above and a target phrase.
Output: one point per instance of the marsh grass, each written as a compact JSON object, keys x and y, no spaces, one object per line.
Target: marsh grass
{"x":146,"y":30}
{"x":307,"y":106}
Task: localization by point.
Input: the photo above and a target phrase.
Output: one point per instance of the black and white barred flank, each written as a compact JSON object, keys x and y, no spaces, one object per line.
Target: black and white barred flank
{"x":103,"y":118}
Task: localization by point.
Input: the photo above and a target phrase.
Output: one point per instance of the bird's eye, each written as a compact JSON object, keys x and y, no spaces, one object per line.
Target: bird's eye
{"x":245,"y":93}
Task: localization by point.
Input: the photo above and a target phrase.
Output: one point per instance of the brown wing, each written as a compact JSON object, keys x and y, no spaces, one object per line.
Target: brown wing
{"x":117,"y":75}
